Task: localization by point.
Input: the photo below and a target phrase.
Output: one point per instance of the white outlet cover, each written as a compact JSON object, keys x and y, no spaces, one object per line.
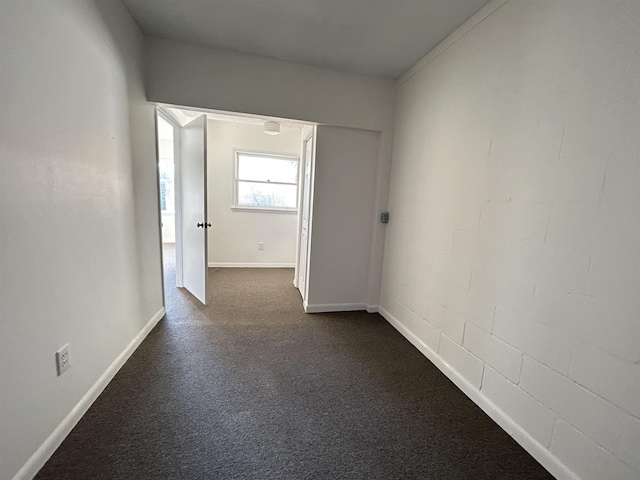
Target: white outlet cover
{"x":62,"y":359}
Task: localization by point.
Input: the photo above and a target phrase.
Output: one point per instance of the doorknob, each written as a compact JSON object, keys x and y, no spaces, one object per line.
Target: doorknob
{"x":205,"y":225}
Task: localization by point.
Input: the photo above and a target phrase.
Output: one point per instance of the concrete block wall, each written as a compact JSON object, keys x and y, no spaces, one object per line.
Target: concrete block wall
{"x":512,"y":258}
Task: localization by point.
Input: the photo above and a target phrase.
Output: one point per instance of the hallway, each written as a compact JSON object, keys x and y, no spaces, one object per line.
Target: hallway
{"x":252,"y":387}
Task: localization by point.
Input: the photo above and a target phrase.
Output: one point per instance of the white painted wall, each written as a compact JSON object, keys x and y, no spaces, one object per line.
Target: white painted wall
{"x":234,"y":235}
{"x":168,"y":227}
{"x":344,"y":190}
{"x":238,"y":82}
{"x":79,"y":251}
{"x":235,"y":82}
{"x":511,"y":258}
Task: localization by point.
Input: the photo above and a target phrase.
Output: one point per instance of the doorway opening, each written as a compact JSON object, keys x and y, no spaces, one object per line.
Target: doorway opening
{"x":166,"y":181}
{"x":235,"y":192}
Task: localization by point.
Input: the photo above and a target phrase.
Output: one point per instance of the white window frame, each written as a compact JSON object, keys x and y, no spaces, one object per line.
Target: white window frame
{"x":277,"y":156}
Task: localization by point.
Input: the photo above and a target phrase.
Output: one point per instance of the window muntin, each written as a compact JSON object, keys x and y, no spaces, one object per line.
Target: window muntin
{"x":264,"y":181}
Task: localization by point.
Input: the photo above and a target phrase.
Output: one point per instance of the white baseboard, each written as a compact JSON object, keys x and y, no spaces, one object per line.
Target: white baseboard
{"x":526,"y":441}
{"x":339,"y":307}
{"x":333,"y":307}
{"x":50,"y":445}
{"x":250,"y":265}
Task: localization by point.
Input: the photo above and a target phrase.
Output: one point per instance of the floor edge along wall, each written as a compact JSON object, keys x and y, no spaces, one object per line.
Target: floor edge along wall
{"x":526,"y":441}
{"x":51,"y":444}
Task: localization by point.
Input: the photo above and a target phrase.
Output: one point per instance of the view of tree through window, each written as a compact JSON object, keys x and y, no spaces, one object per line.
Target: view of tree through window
{"x":167,"y":197}
{"x":266,"y":181}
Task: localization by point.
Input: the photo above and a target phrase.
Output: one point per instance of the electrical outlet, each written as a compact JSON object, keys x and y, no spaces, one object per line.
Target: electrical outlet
{"x":62,"y":359}
{"x":260,"y":245}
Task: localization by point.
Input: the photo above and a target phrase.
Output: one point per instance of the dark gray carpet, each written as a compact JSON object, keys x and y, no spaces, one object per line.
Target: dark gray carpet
{"x":252,"y":388}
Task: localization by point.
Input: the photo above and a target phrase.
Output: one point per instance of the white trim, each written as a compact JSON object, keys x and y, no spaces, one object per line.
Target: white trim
{"x":177,"y":185}
{"x":250,"y":265}
{"x":372,"y":308}
{"x":262,"y":153}
{"x":50,"y":445}
{"x":482,"y":14}
{"x":547,"y":459}
{"x":378,"y":230}
{"x":333,"y":307}
{"x":264,"y":210}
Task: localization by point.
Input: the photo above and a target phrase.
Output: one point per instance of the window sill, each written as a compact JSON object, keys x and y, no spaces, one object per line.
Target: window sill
{"x":264,"y":210}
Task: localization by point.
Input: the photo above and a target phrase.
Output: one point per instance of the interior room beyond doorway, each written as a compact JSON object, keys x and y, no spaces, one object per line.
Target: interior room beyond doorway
{"x":253,"y":189}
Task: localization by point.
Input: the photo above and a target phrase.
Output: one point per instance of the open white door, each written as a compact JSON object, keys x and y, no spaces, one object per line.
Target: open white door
{"x":194,"y":206}
{"x":304,"y":220}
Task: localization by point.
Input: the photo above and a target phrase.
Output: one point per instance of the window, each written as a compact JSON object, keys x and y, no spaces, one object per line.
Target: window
{"x":167,"y":195}
{"x":165,"y":165}
{"x":266,"y":182}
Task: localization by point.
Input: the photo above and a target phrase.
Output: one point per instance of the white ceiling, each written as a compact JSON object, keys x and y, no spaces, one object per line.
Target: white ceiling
{"x":374,"y":37}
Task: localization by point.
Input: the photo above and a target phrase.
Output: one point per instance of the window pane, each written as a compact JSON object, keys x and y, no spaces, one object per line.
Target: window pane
{"x":163,"y":195}
{"x":165,"y":157}
{"x":267,"y":169}
{"x":167,"y":195}
{"x":265,"y":195}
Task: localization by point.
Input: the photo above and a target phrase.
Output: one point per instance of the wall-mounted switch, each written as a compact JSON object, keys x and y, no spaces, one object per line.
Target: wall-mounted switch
{"x":384,"y":217}
{"x":260,"y":245}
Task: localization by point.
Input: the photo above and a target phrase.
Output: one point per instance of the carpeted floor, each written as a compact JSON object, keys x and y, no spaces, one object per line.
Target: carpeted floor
{"x":250,"y":387}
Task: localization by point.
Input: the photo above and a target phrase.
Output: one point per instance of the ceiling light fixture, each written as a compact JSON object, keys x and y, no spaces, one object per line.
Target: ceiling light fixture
{"x":272,"y":128}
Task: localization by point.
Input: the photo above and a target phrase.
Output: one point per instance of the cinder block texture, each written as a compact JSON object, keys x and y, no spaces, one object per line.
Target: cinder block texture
{"x":516,"y":184}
